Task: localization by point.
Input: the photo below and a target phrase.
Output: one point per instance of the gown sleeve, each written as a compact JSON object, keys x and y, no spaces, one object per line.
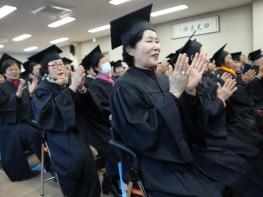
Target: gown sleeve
{"x":87,"y":104}
{"x":54,"y":112}
{"x":8,"y":107}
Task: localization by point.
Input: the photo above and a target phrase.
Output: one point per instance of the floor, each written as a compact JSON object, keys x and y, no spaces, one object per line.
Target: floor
{"x":28,"y":188}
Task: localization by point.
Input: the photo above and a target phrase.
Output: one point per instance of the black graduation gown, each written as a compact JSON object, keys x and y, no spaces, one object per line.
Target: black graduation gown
{"x":115,"y":78}
{"x":88,"y":81}
{"x":100,"y":125}
{"x":256,"y":90}
{"x":15,"y":118}
{"x":103,"y":90}
{"x":246,"y":150}
{"x":59,"y":111}
{"x":241,"y":116}
{"x":217,"y":160}
{"x":146,"y":117}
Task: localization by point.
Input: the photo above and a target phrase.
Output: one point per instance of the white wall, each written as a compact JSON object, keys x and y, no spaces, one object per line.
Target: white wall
{"x":257,"y":24}
{"x":76,"y":58}
{"x":235,"y":28}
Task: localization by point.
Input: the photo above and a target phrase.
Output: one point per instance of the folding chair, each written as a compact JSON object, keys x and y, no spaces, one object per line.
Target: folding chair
{"x":133,"y":175}
{"x":44,"y":149}
{"x":132,"y":161}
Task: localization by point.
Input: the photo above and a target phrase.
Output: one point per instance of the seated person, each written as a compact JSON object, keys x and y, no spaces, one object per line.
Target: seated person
{"x":145,"y":111}
{"x":60,"y":112}
{"x":15,"y":121}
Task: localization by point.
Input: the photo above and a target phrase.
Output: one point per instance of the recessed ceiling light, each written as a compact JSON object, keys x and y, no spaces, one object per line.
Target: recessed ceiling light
{"x":1,"y":46}
{"x":61,"y":22}
{"x":169,"y":10}
{"x":97,"y":29}
{"x":21,"y":37}
{"x":59,"y":40}
{"x":5,"y":10}
{"x":118,"y":2}
{"x":30,"y":48}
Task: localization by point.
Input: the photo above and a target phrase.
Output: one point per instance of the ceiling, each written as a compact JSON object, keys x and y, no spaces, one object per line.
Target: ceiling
{"x":89,"y":14}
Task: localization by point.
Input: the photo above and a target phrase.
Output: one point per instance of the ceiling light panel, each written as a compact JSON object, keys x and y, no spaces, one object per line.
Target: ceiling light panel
{"x":98,"y":29}
{"x":21,"y":37}
{"x":61,"y":22}
{"x":6,"y":10}
{"x":30,"y":48}
{"x":59,"y":40}
{"x":169,"y":10}
{"x":118,"y":2}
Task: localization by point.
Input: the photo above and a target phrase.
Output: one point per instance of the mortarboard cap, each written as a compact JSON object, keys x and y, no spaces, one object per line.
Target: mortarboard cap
{"x":172,"y":57}
{"x":28,"y":67}
{"x":191,"y":47}
{"x":66,"y":61}
{"x":219,"y":55}
{"x":123,"y":29}
{"x":255,"y":55}
{"x":236,"y":56}
{"x":92,"y":58}
{"x":5,"y":57}
{"x":47,"y":55}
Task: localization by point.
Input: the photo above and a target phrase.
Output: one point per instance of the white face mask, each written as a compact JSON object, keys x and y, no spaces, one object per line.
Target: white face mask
{"x":105,"y":68}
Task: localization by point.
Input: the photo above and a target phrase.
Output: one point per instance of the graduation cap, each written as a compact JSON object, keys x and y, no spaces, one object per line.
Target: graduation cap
{"x":236,"y":56}
{"x":47,"y":55}
{"x":92,"y":58}
{"x":172,"y":57}
{"x":6,"y":57}
{"x":66,"y":61}
{"x":255,"y":55}
{"x":191,"y":46}
{"x":28,"y":66}
{"x":123,"y":29}
{"x":219,"y":55}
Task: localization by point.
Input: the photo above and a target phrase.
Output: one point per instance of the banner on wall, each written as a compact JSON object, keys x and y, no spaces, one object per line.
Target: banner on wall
{"x":201,"y":26}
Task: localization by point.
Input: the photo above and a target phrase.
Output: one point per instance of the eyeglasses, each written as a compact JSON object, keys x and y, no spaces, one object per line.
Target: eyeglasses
{"x":57,"y":65}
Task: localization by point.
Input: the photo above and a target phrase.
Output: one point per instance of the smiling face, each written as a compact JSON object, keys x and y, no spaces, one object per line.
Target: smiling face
{"x":119,"y":71}
{"x":146,"y":51}
{"x":236,"y":66}
{"x":229,"y":61}
{"x":56,"y":69}
{"x":12,"y":72}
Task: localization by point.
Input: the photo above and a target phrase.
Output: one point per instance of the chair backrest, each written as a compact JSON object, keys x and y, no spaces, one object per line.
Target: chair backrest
{"x":129,"y":157}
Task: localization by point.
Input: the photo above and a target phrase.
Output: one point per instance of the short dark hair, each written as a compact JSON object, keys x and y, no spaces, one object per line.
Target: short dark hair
{"x":132,"y":43}
{"x":6,"y":64}
{"x":43,"y":70}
